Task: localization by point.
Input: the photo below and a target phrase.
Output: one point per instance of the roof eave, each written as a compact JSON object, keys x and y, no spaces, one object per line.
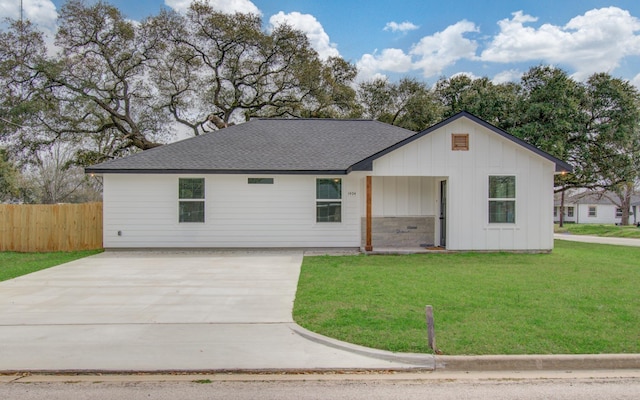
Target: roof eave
{"x":167,"y":171}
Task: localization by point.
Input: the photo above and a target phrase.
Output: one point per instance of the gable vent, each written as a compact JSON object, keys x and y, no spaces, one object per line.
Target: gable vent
{"x":460,"y":141}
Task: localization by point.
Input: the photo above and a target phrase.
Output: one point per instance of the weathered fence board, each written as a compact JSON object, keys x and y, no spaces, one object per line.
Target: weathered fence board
{"x":50,"y":227}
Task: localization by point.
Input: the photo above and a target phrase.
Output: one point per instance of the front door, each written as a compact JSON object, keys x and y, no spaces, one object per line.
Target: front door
{"x":443,"y":213}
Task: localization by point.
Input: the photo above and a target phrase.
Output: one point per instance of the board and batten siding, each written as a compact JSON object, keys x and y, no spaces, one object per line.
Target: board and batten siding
{"x":467,"y":175}
{"x":144,"y":209}
{"x":401,"y":196}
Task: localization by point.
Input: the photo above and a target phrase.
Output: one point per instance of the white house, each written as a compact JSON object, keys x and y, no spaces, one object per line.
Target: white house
{"x":462,"y":184}
{"x":594,"y":208}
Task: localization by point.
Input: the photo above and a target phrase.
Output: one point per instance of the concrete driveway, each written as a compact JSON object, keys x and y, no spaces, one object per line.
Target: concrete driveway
{"x":164,"y":311}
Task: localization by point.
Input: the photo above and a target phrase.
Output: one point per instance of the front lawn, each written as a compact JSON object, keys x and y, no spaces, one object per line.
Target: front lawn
{"x":630,"y":231}
{"x":14,"y":264}
{"x":580,"y":299}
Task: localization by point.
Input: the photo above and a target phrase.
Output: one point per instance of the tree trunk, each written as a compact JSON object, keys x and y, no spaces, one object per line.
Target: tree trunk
{"x":625,"y":206}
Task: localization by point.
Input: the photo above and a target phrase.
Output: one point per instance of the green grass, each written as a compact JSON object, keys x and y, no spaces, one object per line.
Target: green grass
{"x":631,"y":231}
{"x":14,"y":264}
{"x":579,"y":299}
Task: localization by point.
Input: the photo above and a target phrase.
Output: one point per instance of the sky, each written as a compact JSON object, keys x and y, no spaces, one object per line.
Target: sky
{"x":427,"y":39}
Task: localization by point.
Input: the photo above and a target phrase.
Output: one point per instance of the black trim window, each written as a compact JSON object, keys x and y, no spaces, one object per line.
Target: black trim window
{"x":329,"y":200}
{"x":260,"y":181}
{"x":191,"y":200}
{"x":502,"y":199}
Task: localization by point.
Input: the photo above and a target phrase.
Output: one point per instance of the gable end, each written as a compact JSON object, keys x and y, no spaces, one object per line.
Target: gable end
{"x":367,"y":163}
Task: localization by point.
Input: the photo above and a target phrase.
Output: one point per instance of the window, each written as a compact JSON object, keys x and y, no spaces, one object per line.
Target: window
{"x":570,"y":212}
{"x":191,"y":200}
{"x":460,"y":141}
{"x":593,"y":211}
{"x":618,"y":212}
{"x":260,"y":181}
{"x":502,"y":199}
{"x":555,"y":211}
{"x":329,"y":200}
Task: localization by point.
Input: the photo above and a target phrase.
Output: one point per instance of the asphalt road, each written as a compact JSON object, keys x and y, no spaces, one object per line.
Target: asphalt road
{"x":567,"y":387}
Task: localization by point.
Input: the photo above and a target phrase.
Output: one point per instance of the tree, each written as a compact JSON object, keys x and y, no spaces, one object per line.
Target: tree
{"x":9,"y":189}
{"x":408,"y":103}
{"x":330,"y":94}
{"x":94,"y":92}
{"x":612,"y":131}
{"x":22,"y":49}
{"x":550,"y":111}
{"x":495,"y":104}
{"x":218,"y":69}
{"x":550,"y":116}
{"x":99,"y":81}
{"x":56,"y":178}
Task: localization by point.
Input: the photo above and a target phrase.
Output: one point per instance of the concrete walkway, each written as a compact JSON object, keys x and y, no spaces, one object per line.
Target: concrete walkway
{"x":167,"y":311}
{"x":598,"y":239}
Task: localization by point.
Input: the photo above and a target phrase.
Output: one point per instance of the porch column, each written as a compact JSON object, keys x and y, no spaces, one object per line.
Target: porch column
{"x":368,"y":244}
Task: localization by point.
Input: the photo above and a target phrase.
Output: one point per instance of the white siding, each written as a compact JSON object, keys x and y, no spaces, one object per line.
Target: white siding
{"x":401,"y":196}
{"x":144,"y":208}
{"x":467,"y":174}
{"x":605,"y":214}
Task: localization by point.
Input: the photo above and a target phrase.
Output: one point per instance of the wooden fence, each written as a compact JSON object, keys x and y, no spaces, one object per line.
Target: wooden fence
{"x":50,"y":227}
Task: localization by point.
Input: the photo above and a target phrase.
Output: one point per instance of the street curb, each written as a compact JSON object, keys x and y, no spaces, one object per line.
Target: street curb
{"x":413,"y":360}
{"x":550,"y":362}
{"x":545,"y":362}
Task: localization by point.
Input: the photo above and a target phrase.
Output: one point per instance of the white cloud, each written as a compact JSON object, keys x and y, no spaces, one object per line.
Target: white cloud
{"x":225,"y":6}
{"x":42,"y":13}
{"x":390,"y":60}
{"x":308,"y":24}
{"x":400,"y":27}
{"x":593,"y":42}
{"x":430,"y":55}
{"x":512,"y":75}
{"x":636,"y":81}
{"x":443,"y":49}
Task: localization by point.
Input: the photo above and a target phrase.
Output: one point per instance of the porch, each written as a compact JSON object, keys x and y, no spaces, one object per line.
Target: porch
{"x":403,"y":214}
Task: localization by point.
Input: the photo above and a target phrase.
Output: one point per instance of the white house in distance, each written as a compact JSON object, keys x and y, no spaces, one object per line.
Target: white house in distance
{"x":589,"y":207}
{"x":462,"y":184}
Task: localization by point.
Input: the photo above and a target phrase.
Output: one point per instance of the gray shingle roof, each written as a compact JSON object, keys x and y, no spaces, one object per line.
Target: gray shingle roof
{"x":589,"y":197}
{"x":268,"y":145}
{"x":287,"y":146}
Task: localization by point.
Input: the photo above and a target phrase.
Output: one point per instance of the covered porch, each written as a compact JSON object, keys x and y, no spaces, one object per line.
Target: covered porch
{"x":404,"y":214}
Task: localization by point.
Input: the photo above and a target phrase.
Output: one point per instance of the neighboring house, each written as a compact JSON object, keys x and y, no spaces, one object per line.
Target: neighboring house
{"x":594,"y":208}
{"x":462,"y":184}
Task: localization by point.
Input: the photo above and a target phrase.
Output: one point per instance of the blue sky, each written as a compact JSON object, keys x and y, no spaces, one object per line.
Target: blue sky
{"x":499,"y":39}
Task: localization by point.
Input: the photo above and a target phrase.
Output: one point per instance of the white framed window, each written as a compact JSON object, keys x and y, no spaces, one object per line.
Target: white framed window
{"x":190,"y":200}
{"x":502,"y":199}
{"x":328,"y":200}
{"x":593,"y":211}
{"x":555,"y":211}
{"x":618,"y":212}
{"x":570,"y":212}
